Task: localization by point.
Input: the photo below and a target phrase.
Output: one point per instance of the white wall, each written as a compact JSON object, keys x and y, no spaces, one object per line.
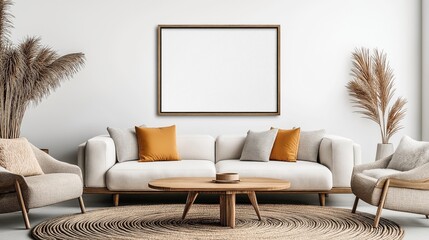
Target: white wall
{"x":425,"y":70}
{"x":117,"y":87}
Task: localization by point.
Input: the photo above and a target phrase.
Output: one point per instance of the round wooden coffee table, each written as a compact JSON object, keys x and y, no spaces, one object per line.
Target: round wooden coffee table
{"x":227,"y":192}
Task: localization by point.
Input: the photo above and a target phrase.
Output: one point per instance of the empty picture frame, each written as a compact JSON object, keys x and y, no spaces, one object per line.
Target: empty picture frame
{"x":219,"y":70}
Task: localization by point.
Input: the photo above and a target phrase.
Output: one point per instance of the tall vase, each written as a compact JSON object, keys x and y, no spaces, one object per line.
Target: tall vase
{"x":384,"y":150}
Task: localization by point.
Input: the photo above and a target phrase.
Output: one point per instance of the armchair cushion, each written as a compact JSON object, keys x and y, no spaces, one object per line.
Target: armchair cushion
{"x":409,"y":154}
{"x":52,"y":188}
{"x":17,"y":156}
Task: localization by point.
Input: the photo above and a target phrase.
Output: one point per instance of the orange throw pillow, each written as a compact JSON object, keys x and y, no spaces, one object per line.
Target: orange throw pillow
{"x":157,"y":144}
{"x":285,"y":146}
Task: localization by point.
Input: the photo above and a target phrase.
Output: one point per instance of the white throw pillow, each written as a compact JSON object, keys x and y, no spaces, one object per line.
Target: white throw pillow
{"x":258,"y":145}
{"x":125,"y":143}
{"x":409,"y":154}
{"x":309,"y":143}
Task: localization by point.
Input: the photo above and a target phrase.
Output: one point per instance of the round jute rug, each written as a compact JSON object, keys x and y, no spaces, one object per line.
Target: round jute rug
{"x":202,"y":222}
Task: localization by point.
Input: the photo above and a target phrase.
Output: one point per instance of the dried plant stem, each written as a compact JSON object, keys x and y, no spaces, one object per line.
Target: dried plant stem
{"x":28,"y":73}
{"x":371,"y":90}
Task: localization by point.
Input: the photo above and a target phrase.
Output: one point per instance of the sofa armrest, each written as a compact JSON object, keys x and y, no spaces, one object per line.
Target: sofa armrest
{"x":52,"y":165}
{"x":340,"y":155}
{"x":8,"y":179}
{"x":100,"y":156}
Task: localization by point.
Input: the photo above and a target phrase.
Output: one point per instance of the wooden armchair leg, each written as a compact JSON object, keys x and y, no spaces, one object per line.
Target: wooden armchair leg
{"x":322,"y":199}
{"x":116,"y":199}
{"x":382,"y":202}
{"x":81,"y":204}
{"x":22,"y":205}
{"x":355,"y":205}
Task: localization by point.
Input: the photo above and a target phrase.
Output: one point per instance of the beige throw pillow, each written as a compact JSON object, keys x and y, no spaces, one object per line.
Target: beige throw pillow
{"x":17,"y":157}
{"x":409,"y":154}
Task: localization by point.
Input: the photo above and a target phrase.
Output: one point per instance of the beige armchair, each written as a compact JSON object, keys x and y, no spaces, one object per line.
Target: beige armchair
{"x":61,"y":182}
{"x":377,"y":185}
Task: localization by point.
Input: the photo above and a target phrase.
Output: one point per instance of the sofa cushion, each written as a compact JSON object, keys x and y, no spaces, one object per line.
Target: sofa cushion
{"x":157,"y":144}
{"x":303,"y":175}
{"x":409,"y":154}
{"x":229,"y":147}
{"x":135,"y":176}
{"x":258,"y":145}
{"x":309,"y":143}
{"x":285,"y":146}
{"x":196,"y":147}
{"x":125,"y":143}
{"x":17,"y":156}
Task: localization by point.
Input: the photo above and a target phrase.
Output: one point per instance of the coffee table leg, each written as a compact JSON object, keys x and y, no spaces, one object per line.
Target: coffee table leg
{"x":252,"y":198}
{"x":189,"y":201}
{"x":227,"y":209}
{"x":222,"y":200}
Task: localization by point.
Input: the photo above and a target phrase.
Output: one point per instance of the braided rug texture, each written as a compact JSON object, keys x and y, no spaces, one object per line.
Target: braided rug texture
{"x":202,"y":222}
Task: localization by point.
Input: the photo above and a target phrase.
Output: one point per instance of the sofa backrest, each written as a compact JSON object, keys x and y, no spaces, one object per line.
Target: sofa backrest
{"x":229,"y":147}
{"x":196,"y":147}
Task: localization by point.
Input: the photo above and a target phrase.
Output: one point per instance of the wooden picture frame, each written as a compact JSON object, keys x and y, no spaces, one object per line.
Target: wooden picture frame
{"x":219,"y":70}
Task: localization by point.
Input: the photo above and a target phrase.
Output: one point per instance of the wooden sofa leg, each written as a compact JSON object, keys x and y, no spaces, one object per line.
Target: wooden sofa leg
{"x":82,"y":205}
{"x":427,"y":216}
{"x":22,"y":205}
{"x":355,"y":204}
{"x":116,"y":199}
{"x":322,"y":199}
{"x":381,"y":203}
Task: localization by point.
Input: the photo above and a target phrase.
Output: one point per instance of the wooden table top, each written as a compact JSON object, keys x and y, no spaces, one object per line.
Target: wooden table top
{"x":206,"y":185}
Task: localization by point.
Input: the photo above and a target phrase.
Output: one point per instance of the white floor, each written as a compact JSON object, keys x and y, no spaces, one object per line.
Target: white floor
{"x":12,"y":225}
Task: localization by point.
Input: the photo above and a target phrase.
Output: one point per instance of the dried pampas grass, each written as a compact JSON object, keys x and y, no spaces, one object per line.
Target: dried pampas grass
{"x":28,"y":73}
{"x":371,"y":90}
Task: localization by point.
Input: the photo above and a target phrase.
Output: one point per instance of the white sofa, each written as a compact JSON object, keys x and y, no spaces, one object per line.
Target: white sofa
{"x":203,"y":156}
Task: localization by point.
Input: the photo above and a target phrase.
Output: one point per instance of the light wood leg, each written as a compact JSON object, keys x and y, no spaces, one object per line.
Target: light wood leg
{"x":254,"y":201}
{"x":189,"y":201}
{"x":22,"y":205}
{"x":381,"y":203}
{"x":355,"y":205}
{"x":322,"y":199}
{"x":82,"y":205}
{"x":222,"y":200}
{"x":116,"y":199}
{"x":230,"y":210}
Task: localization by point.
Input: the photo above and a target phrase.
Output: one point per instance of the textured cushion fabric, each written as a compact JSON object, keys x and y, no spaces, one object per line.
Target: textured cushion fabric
{"x":285,"y":146}
{"x":52,"y":188}
{"x":125,"y":143}
{"x":157,"y":144}
{"x":378,"y":173}
{"x":409,"y":154}
{"x":258,"y":145}
{"x":303,"y":175}
{"x":135,"y":176}
{"x":309,"y":143}
{"x":17,"y":157}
